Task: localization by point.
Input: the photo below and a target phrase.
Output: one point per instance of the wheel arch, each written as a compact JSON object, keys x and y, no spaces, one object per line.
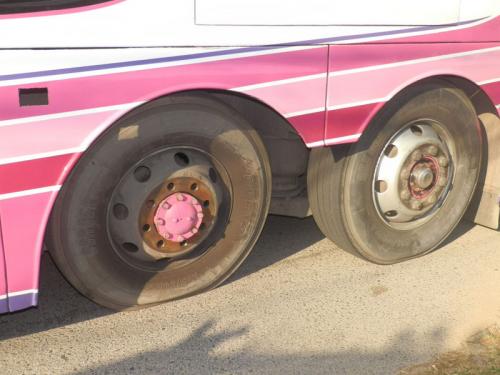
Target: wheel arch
{"x":285,"y":144}
{"x":484,"y":207}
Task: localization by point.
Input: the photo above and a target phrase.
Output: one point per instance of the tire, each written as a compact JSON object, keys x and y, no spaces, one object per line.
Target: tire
{"x":110,"y":231}
{"x":372,"y":198}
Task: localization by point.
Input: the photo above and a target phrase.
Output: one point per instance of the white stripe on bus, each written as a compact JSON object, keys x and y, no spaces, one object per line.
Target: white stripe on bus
{"x":59,"y":115}
{"x":21,"y":293}
{"x":25,"y":193}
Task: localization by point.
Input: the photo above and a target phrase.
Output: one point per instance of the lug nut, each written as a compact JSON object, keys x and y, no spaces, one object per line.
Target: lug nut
{"x":405,"y":174}
{"x":405,"y":195}
{"x":180,"y":197}
{"x":160,"y":222}
{"x":432,"y":199}
{"x":442,"y":181}
{"x":433,"y":150}
{"x":166,"y":206}
{"x":417,"y":155}
{"x":416,"y":205}
{"x":443,"y":162}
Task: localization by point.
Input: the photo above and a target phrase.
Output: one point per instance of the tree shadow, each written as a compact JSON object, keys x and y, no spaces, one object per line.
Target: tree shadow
{"x":199,"y":354}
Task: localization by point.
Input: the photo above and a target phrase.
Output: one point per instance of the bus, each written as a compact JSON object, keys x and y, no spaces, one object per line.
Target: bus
{"x":144,"y":143}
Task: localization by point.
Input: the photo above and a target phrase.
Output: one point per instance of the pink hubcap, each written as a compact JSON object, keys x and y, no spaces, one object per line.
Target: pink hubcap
{"x":179,"y":217}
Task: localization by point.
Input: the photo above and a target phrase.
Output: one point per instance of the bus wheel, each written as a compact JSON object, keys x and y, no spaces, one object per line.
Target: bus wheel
{"x":402,"y":189}
{"x":166,"y":204}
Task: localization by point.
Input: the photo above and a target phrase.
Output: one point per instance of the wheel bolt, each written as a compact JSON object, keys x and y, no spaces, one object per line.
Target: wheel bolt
{"x":432,"y":199}
{"x":405,"y":195}
{"x":166,"y":206}
{"x":416,"y":205}
{"x":180,"y":197}
{"x":405,"y":174}
{"x":443,"y":161}
{"x":417,"y":155}
{"x":160,"y":222}
{"x":433,"y":150}
{"x":442,"y":181}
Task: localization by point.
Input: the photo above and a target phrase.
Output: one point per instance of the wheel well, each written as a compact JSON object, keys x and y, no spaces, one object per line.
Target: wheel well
{"x":288,"y":154}
{"x":479,"y":99}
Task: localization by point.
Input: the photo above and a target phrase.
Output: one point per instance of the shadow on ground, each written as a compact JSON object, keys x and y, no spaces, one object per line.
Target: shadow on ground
{"x":197,"y":354}
{"x":61,"y":305}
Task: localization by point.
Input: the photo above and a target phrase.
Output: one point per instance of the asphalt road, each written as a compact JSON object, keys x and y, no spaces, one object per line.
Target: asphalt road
{"x":298,"y":305}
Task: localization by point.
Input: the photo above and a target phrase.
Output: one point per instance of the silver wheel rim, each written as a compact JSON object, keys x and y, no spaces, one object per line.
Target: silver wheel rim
{"x":414,"y":175}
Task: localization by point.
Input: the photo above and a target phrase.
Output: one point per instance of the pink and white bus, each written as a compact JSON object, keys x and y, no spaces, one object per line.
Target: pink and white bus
{"x":145,"y":142}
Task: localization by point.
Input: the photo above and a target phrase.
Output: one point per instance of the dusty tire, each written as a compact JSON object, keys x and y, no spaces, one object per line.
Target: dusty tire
{"x":110,"y":233}
{"x":381,"y":204}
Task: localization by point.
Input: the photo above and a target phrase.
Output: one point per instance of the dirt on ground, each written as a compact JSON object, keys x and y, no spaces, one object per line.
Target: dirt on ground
{"x":480,"y":355}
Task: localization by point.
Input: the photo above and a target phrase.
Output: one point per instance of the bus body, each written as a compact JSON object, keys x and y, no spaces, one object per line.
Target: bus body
{"x":71,"y":70}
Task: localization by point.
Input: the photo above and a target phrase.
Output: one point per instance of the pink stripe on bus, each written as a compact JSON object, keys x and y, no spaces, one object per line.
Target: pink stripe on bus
{"x":380,"y":84}
{"x":311,"y":127}
{"x":346,"y":122}
{"x":482,"y":32}
{"x":37,"y":137}
{"x":293,"y":97}
{"x":347,"y":57}
{"x":23,"y":220}
{"x":33,"y":174}
{"x":493,"y":91}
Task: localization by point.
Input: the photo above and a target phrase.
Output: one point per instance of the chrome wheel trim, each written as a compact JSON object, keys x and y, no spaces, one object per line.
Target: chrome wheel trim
{"x":414,"y":175}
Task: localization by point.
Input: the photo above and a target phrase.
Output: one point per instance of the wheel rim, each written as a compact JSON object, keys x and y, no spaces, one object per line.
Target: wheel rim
{"x":168,"y":208}
{"x":414,"y":175}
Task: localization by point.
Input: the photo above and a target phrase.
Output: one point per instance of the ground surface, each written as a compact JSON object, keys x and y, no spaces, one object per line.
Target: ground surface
{"x":298,"y":305}
{"x":479,"y":355}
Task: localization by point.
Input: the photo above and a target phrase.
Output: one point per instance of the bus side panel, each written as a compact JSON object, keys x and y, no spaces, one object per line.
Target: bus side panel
{"x":362,"y":78}
{"x":3,"y":278}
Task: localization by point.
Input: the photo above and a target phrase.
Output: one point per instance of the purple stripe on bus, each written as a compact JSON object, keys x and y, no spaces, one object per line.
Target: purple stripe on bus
{"x":4,"y":307}
{"x":160,"y":60}
{"x":22,"y":302}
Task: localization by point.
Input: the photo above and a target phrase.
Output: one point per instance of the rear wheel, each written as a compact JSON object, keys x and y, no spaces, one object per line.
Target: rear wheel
{"x":401,"y":190}
{"x":166,"y":204}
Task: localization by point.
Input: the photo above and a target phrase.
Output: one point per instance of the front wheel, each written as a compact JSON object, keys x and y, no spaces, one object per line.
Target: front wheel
{"x":401,"y":190}
{"x":165,"y":204}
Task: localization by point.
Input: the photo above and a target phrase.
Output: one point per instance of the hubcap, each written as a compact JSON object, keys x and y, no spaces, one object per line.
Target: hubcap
{"x":422,"y":177}
{"x":178,"y":217}
{"x":170,"y":206}
{"x":413,"y":175}
{"x":180,"y":220}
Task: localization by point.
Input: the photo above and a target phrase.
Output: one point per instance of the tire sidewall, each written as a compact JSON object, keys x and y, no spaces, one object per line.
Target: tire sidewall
{"x":365,"y":227}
